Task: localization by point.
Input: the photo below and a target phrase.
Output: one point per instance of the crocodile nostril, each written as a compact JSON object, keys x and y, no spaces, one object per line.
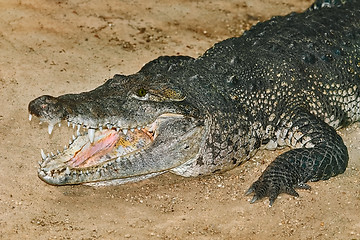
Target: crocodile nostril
{"x":40,"y":104}
{"x":46,"y":107}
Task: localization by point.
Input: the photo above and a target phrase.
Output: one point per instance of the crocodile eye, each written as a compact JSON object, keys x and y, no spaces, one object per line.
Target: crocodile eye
{"x":141,"y":92}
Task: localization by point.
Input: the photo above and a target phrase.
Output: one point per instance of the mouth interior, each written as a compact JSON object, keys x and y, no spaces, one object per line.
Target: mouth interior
{"x":107,"y":145}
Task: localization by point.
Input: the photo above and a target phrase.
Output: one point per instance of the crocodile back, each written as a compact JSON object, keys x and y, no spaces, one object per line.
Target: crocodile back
{"x":312,"y":58}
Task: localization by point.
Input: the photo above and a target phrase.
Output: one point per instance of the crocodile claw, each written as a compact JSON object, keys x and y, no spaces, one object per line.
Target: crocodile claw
{"x":272,"y":189}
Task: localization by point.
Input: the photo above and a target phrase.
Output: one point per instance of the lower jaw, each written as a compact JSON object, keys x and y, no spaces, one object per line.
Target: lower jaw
{"x":119,"y":181}
{"x":82,"y":159}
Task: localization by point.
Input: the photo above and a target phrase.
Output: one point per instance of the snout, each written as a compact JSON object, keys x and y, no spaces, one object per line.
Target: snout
{"x":47,"y":108}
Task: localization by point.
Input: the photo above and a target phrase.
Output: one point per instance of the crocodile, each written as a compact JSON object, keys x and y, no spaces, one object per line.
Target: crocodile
{"x":291,"y":81}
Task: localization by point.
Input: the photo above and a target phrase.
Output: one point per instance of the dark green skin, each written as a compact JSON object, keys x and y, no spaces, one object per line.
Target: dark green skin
{"x":290,"y":81}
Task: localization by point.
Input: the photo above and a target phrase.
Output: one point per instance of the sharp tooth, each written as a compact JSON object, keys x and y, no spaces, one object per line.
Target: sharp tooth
{"x":58,"y":152}
{"x":100,"y":128}
{"x":50,"y":128}
{"x":67,"y":171}
{"x":52,"y":154}
{"x":73,"y":125}
{"x":91,"y":133}
{"x":117,"y":129}
{"x":65,"y":147}
{"x":139,"y":128}
{"x":59,"y":124}
{"x":30,"y":117}
{"x":73,"y":137}
{"x":124,"y":131}
{"x":43,"y":156}
{"x":70,"y":142}
{"x":109,"y":126}
{"x":78,"y":130}
{"x":68,"y":123}
{"x":132,"y":129}
{"x":152,"y":127}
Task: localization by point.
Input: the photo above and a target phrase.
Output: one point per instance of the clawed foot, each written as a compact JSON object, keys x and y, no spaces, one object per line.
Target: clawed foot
{"x":272,"y":188}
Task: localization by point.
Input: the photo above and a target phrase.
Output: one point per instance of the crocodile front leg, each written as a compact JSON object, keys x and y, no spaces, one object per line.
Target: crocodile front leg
{"x":322,"y":154}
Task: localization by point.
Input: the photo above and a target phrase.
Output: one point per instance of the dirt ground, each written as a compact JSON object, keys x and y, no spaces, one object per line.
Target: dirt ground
{"x":58,"y":46}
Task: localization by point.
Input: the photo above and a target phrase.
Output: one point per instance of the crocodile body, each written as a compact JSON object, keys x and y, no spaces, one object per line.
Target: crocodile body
{"x":290,"y":81}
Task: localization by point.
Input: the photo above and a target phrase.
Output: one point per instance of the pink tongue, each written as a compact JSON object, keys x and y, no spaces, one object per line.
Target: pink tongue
{"x":91,"y":153}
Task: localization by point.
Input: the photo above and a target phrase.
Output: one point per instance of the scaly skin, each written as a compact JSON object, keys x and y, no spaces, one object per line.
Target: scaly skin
{"x":290,"y":81}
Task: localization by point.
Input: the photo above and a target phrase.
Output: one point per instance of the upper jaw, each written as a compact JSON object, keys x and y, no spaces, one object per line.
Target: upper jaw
{"x":116,"y":114}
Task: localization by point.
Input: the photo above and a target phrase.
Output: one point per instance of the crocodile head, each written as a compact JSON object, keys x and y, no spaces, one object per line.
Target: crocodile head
{"x":136,"y":126}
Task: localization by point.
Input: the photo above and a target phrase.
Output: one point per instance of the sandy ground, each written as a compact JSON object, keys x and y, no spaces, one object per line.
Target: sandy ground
{"x":58,"y":46}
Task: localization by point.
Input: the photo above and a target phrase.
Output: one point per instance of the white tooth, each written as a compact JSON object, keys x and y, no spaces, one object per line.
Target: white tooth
{"x":78,"y":130}
{"x":109,"y":126}
{"x":124,"y":131}
{"x":132,"y":130}
{"x":43,"y":156}
{"x":91,"y":133}
{"x":67,"y":171}
{"x":65,"y":147}
{"x":73,"y":125}
{"x":73,"y":137}
{"x":52,"y":154}
{"x":59,"y":124}
{"x":100,"y":128}
{"x":30,"y":117}
{"x":50,"y":128}
{"x":68,"y":123}
{"x":70,"y":142}
{"x":152,"y":127}
{"x":117,"y":129}
{"x":58,"y":152}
